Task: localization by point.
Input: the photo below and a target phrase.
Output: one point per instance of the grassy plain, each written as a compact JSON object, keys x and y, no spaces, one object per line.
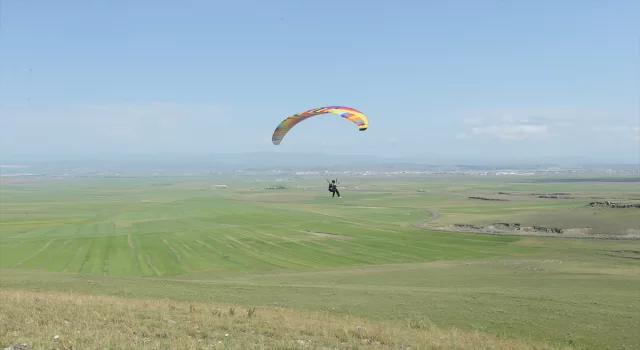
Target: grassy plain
{"x":364,"y":271}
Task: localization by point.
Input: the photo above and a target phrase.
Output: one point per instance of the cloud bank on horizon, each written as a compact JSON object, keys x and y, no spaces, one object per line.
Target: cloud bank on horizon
{"x":527,"y":80}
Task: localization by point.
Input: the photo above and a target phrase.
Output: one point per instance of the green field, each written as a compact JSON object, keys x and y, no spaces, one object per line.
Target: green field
{"x":373,"y":254}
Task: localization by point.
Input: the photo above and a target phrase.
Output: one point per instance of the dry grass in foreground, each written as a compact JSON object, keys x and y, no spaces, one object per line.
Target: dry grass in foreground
{"x":69,"y":321}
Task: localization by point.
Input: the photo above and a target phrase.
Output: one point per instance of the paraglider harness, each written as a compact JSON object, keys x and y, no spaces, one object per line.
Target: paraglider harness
{"x":332,"y":185}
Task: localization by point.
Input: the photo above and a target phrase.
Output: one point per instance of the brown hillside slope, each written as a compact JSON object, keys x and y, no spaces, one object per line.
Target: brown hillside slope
{"x":70,"y":321}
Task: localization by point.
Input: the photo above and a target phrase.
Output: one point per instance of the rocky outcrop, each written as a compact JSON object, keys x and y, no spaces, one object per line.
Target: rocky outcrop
{"x":473,"y":227}
{"x":514,"y":226}
{"x":501,"y":226}
{"x":516,"y":229}
{"x":548,"y":229}
{"x":488,"y":199}
{"x":17,"y":346}
{"x":557,"y":195}
{"x":608,"y":204}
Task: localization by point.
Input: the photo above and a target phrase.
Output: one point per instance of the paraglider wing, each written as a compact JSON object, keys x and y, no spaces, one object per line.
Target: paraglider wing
{"x":349,"y":113}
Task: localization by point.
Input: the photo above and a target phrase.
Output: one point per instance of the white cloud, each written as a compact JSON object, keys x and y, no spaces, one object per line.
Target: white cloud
{"x":507,"y":118}
{"x":472,"y":121}
{"x":617,"y":132}
{"x":609,"y":128}
{"x":551,"y":115}
{"x":537,"y":123}
{"x":510,"y":131}
{"x":506,"y":127}
{"x":563,"y":124}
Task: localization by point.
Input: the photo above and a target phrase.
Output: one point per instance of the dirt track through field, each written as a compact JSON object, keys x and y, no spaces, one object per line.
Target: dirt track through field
{"x":434,"y":215}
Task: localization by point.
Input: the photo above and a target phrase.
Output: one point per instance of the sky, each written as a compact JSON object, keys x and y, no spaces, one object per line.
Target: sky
{"x":506,"y":79}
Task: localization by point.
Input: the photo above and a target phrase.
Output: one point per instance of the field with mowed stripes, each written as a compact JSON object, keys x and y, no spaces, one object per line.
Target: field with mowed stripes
{"x":381,"y":253}
{"x":138,"y":231}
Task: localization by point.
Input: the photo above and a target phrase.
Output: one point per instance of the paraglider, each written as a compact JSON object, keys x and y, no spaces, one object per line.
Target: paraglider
{"x":349,"y":113}
{"x":333,"y":188}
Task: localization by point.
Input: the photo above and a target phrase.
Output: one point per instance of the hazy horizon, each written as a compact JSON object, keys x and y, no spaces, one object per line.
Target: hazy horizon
{"x":465,"y":81}
{"x":265,"y":158}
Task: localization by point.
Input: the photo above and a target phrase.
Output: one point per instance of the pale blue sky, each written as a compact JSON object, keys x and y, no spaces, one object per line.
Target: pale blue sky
{"x":459,"y":78}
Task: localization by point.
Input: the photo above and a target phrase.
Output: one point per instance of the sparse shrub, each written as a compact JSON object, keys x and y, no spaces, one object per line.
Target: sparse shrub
{"x":417,"y":322}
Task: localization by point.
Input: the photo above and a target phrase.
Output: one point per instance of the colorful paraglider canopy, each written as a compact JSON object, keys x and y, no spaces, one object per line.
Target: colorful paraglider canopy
{"x":349,"y":113}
